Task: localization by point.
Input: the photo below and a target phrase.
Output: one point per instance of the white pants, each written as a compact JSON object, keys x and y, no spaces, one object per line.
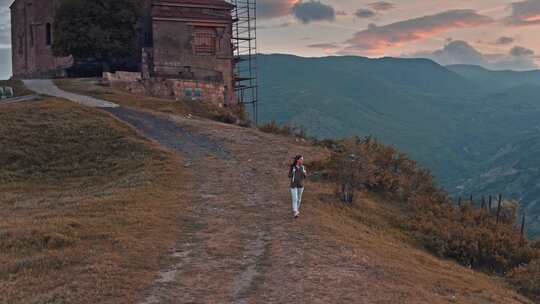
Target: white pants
{"x":296,"y":194}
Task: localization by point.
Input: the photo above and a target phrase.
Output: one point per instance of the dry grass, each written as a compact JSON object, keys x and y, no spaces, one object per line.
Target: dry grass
{"x":91,"y":222}
{"x":88,"y":207}
{"x":335,"y":253}
{"x":17,"y":85}
{"x":370,"y":229}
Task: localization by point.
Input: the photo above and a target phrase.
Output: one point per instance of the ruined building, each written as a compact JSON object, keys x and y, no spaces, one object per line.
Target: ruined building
{"x":31,"y":40}
{"x":185,"y":45}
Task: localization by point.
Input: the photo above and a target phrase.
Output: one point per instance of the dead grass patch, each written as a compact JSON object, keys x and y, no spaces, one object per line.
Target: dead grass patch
{"x":88,"y":207}
{"x":371,"y":228}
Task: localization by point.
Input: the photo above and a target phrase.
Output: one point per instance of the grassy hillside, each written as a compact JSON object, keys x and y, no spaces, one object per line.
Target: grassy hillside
{"x":123,"y":203}
{"x":452,"y":120}
{"x":83,"y":199}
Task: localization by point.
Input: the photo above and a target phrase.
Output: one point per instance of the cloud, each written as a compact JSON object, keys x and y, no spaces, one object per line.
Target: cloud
{"x":382,"y":6}
{"x":461,"y":52}
{"x":267,"y":9}
{"x":375,"y":40}
{"x":524,"y":13}
{"x":324,"y":45}
{"x":365,"y":13}
{"x":328,"y":48}
{"x":281,"y":25}
{"x":520,"y":51}
{"x":504,"y":40}
{"x":313,"y":10}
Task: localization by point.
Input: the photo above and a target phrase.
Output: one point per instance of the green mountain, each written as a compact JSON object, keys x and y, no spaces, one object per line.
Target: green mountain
{"x":457,"y":120}
{"x":495,"y":79}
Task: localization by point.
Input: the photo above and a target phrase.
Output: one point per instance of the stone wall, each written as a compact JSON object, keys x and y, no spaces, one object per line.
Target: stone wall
{"x":174,"y":89}
{"x":122,"y":76}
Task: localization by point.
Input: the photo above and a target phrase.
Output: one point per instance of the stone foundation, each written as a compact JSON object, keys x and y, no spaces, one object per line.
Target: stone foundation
{"x":175,"y":89}
{"x":122,"y":76}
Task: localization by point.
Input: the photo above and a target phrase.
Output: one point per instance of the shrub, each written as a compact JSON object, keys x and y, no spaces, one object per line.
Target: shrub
{"x":234,"y":114}
{"x":469,"y":235}
{"x":376,"y":167}
{"x":285,"y":130}
{"x":526,"y":279}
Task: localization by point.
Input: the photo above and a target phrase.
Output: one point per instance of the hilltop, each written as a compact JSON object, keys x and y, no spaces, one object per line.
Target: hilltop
{"x":149,"y":203}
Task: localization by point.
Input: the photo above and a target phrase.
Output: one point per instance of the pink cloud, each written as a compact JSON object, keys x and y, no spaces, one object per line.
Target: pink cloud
{"x":274,"y":8}
{"x":382,"y":6}
{"x":525,"y":13}
{"x":461,"y":52}
{"x":328,"y":48}
{"x":375,"y":40}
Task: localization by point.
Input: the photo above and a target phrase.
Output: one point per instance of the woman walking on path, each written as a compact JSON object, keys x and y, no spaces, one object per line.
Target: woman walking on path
{"x":297,"y":174}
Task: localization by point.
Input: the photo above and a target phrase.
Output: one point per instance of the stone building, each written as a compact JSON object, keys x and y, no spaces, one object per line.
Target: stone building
{"x":31,"y":39}
{"x":185,"y":45}
{"x":190,"y":42}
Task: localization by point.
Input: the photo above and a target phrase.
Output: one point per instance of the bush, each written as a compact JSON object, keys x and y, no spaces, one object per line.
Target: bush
{"x":285,"y":130}
{"x":235,"y":114}
{"x":378,"y":168}
{"x":526,"y":279}
{"x":469,"y":235}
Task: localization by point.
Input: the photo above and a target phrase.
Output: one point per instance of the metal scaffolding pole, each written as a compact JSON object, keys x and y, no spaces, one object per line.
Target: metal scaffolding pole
{"x":245,"y":52}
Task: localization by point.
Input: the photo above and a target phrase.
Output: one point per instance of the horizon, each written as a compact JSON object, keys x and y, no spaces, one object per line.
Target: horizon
{"x":6,"y":76}
{"x":495,"y":34}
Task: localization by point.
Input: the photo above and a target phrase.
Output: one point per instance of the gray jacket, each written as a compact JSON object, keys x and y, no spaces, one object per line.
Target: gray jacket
{"x":297,"y":176}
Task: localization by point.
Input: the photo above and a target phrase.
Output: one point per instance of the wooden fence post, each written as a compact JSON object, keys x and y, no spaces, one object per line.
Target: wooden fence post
{"x":489,"y":204}
{"x":483,"y":205}
{"x":499,"y":208}
{"x":459,"y":202}
{"x":523,"y":228}
{"x":472,"y":201}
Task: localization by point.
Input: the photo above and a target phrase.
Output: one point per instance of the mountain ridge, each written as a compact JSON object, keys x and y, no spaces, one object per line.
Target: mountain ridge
{"x":453,"y":127}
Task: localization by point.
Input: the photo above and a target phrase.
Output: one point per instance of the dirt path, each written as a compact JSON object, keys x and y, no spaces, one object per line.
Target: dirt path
{"x":240,"y":244}
{"x":219,"y":258}
{"x":47,"y":87}
{"x":238,"y":215}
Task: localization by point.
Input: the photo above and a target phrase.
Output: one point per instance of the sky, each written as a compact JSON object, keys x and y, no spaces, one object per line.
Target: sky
{"x":495,"y":34}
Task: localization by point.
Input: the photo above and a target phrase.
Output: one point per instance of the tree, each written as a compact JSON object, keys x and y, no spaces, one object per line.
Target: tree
{"x":104,"y":30}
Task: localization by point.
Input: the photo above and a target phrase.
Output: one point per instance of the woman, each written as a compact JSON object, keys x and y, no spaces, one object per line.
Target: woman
{"x":297,"y":174}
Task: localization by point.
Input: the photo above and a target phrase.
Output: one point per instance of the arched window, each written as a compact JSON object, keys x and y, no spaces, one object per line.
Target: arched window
{"x":48,"y":34}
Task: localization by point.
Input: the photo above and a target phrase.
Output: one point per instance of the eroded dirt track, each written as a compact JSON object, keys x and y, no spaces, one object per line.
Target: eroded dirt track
{"x":239,"y":205}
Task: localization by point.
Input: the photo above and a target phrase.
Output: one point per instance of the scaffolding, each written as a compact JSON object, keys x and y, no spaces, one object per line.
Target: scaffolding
{"x":245,"y":54}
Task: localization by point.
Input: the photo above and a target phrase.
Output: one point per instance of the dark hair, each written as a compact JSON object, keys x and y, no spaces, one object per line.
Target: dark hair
{"x":296,"y":158}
